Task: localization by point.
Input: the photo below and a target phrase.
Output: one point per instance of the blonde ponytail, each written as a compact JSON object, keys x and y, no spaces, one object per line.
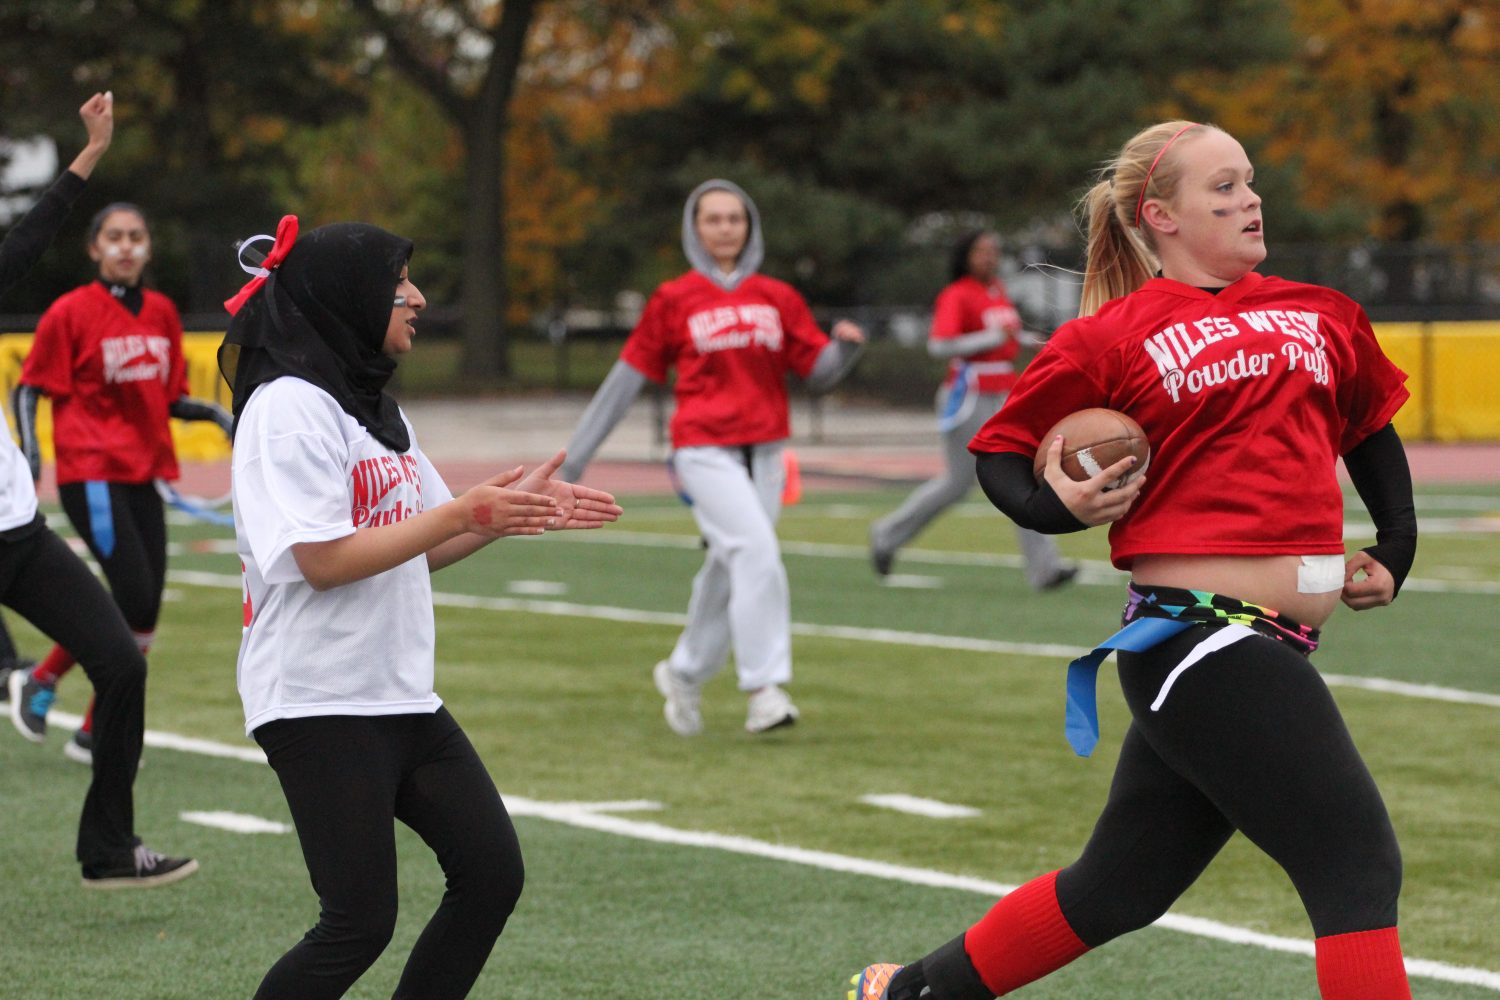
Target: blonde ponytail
{"x":1120,"y":256}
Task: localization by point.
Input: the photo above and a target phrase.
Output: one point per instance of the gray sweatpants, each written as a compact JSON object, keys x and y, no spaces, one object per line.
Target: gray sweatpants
{"x":936,"y":495}
{"x":740,"y":599}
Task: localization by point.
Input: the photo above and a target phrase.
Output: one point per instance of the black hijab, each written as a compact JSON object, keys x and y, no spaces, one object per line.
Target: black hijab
{"x":322,"y":315}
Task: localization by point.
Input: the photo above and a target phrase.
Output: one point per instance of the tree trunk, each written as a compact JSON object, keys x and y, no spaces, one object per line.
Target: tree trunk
{"x":486,"y":350}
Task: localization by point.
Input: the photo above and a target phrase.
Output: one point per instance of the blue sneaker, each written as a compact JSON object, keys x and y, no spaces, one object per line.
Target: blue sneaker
{"x":30,"y":702}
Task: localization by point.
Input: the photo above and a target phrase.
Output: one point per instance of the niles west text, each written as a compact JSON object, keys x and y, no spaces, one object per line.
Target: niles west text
{"x":373,"y":480}
{"x":1175,"y":349}
{"x":733,"y":327}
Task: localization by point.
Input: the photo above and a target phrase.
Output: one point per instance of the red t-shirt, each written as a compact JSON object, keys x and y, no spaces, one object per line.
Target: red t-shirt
{"x":970,"y":306}
{"x":111,"y":376}
{"x":1247,"y":397}
{"x":732,"y":351}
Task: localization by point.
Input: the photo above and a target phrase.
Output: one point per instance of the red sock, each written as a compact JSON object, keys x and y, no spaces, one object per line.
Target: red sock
{"x":1364,"y":965}
{"x":1022,"y":938}
{"x":88,"y":718}
{"x":50,"y":670}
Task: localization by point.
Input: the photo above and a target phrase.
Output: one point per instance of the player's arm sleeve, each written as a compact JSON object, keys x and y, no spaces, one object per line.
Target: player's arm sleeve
{"x":1382,"y":477}
{"x":1007,"y":479}
{"x":835,"y":361}
{"x":25,"y":401}
{"x":188,"y":408}
{"x":290,"y":482}
{"x":965,"y":344}
{"x":29,"y":238}
{"x":613,"y":397}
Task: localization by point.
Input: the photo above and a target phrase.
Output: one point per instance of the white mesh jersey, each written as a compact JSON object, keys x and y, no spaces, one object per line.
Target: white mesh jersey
{"x":306,"y":471}
{"x":17,"y":491}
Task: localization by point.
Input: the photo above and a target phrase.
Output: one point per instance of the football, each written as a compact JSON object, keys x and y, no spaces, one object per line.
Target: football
{"x":1093,"y":440}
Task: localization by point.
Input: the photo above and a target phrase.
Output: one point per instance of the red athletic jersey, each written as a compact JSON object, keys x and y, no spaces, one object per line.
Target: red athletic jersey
{"x":732,"y":351}
{"x":970,"y":306}
{"x":1247,"y":397}
{"x":111,"y":376}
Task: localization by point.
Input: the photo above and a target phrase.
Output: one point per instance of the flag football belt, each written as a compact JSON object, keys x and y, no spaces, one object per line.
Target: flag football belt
{"x":1152,"y":616}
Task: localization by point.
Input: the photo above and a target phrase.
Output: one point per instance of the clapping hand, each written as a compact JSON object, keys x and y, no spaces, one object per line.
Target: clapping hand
{"x":577,"y":506}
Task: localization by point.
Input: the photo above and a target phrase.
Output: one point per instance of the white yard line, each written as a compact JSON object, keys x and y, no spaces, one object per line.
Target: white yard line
{"x":893,"y":637}
{"x":917,"y":806}
{"x":595,"y":816}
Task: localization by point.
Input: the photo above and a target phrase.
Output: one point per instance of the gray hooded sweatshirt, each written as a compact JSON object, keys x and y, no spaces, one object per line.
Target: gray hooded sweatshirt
{"x":623,"y":383}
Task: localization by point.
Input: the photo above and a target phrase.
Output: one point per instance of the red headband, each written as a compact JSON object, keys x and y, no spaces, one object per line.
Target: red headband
{"x":286,"y":236}
{"x":1141,"y":201}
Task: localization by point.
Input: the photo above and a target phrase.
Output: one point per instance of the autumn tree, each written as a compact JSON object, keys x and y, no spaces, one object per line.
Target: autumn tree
{"x":1386,"y":110}
{"x":849,"y":119}
{"x":206,"y":96}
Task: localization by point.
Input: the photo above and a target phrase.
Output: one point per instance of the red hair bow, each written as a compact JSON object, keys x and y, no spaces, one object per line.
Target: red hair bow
{"x":286,"y":236}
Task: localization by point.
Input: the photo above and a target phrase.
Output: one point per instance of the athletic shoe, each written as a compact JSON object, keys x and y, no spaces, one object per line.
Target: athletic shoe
{"x":770,"y":708}
{"x":19,"y":664}
{"x":880,"y":559}
{"x":682,"y":697}
{"x":29,"y":704}
{"x":80,"y":747}
{"x":1060,"y":578}
{"x":144,"y":869}
{"x":871,"y":983}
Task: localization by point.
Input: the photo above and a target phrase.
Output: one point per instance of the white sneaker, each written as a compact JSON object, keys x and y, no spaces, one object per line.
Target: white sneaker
{"x":682,"y":697}
{"x":770,"y":708}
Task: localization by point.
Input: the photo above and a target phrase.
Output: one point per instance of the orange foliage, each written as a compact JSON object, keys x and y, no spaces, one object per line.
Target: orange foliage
{"x":1385,"y":104}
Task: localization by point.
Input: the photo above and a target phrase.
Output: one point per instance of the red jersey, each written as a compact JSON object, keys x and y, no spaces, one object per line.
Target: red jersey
{"x":971,"y":306}
{"x":732,"y":350}
{"x":1248,"y":398}
{"x":111,"y":376}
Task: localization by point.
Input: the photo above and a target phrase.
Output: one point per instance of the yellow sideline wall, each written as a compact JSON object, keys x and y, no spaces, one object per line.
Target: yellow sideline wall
{"x":1454,"y":371}
{"x":198,"y":441}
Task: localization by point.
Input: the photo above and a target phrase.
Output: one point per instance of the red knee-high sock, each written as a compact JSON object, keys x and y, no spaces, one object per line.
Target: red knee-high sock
{"x":1364,"y":965}
{"x":50,"y":670}
{"x":1022,"y":938}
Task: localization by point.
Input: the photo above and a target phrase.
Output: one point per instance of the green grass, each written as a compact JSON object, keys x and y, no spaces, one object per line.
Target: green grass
{"x":561,"y":708}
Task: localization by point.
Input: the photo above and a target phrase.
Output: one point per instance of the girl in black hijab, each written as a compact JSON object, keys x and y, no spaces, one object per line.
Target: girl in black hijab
{"x":339,"y":520}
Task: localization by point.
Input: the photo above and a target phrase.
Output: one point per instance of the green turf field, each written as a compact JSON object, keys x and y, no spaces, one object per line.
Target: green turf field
{"x":761,"y":873}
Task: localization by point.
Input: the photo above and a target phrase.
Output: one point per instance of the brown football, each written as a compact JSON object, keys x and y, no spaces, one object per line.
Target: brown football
{"x":1093,"y":440}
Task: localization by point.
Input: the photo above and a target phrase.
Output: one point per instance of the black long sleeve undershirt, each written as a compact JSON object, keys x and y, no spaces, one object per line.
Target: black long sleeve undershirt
{"x":1380,"y":473}
{"x":1377,"y":467}
{"x":29,"y":238}
{"x":1008,"y":481}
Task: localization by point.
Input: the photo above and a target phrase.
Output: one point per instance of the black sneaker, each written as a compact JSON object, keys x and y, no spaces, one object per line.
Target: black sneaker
{"x":1061,"y":578}
{"x":9,"y":666}
{"x":144,"y":869}
{"x":29,"y":704}
{"x":80,"y":747}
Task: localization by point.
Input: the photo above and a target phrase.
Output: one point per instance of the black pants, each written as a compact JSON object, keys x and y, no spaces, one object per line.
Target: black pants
{"x":347,"y":779}
{"x":125,"y":527}
{"x":1247,"y":739}
{"x":50,"y":587}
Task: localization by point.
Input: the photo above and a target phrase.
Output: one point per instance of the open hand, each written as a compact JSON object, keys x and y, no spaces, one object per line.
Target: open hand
{"x":577,"y":506}
{"x":847,"y":329}
{"x":494,"y":509}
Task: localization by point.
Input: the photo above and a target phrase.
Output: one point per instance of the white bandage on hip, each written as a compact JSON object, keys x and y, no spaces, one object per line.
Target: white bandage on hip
{"x":1320,"y":574}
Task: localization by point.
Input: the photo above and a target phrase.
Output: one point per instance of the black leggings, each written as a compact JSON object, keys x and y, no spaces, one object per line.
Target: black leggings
{"x":50,"y":587}
{"x":347,"y":779}
{"x":1247,"y":739}
{"x":125,"y":527}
